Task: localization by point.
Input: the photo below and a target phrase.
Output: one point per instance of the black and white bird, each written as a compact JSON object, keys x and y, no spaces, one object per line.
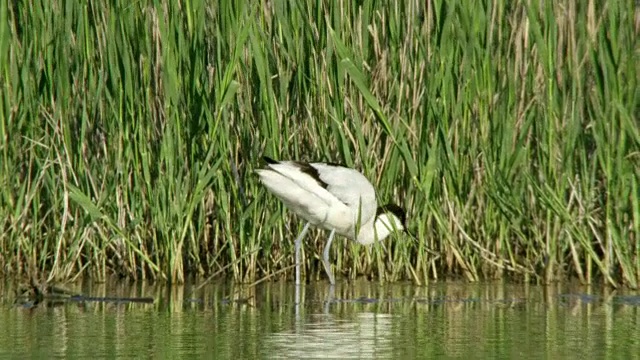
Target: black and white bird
{"x":332,"y":197}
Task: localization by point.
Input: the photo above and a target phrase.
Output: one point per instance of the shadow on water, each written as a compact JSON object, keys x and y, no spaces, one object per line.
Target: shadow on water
{"x":351,"y":320}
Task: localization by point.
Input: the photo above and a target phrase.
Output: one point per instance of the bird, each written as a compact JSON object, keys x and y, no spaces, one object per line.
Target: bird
{"x":331,"y":197}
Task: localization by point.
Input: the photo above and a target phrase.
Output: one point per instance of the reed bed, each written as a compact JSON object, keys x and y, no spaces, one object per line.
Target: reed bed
{"x":508,"y":129}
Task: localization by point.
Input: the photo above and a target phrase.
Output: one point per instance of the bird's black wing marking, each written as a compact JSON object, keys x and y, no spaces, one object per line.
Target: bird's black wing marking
{"x":311,"y":171}
{"x":269,"y":160}
{"x":304,"y":167}
{"x":336,"y":164}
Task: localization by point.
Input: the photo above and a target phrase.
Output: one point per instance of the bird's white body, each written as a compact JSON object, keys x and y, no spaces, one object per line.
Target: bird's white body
{"x":332,"y":197}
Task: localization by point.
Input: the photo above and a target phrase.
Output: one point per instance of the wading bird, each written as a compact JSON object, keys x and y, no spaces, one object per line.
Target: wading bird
{"x":332,"y":197}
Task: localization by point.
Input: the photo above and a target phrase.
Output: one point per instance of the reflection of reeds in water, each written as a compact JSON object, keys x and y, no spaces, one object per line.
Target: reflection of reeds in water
{"x":84,"y":294}
{"x":356,"y":319}
{"x":448,"y":316}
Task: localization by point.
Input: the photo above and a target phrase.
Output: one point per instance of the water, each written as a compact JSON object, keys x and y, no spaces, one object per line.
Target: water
{"x":361,"y":320}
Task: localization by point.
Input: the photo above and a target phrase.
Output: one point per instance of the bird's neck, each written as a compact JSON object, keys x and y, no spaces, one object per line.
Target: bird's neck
{"x":375,"y":230}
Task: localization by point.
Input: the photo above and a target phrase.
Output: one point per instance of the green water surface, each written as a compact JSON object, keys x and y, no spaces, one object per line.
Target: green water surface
{"x":354,"y":320}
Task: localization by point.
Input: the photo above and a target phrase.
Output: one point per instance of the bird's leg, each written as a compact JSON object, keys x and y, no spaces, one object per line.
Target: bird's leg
{"x":325,"y":258}
{"x":298,"y":245}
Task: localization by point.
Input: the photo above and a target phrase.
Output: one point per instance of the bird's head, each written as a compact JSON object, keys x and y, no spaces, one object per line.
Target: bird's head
{"x":389,"y":218}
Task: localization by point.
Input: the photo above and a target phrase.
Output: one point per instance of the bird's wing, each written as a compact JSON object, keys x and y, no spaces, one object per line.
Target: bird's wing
{"x":349,"y":187}
{"x":309,"y":205}
{"x":304,"y":176}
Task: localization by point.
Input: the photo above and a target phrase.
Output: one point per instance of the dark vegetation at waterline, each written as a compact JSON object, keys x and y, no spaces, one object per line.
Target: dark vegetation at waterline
{"x":509,"y":131}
